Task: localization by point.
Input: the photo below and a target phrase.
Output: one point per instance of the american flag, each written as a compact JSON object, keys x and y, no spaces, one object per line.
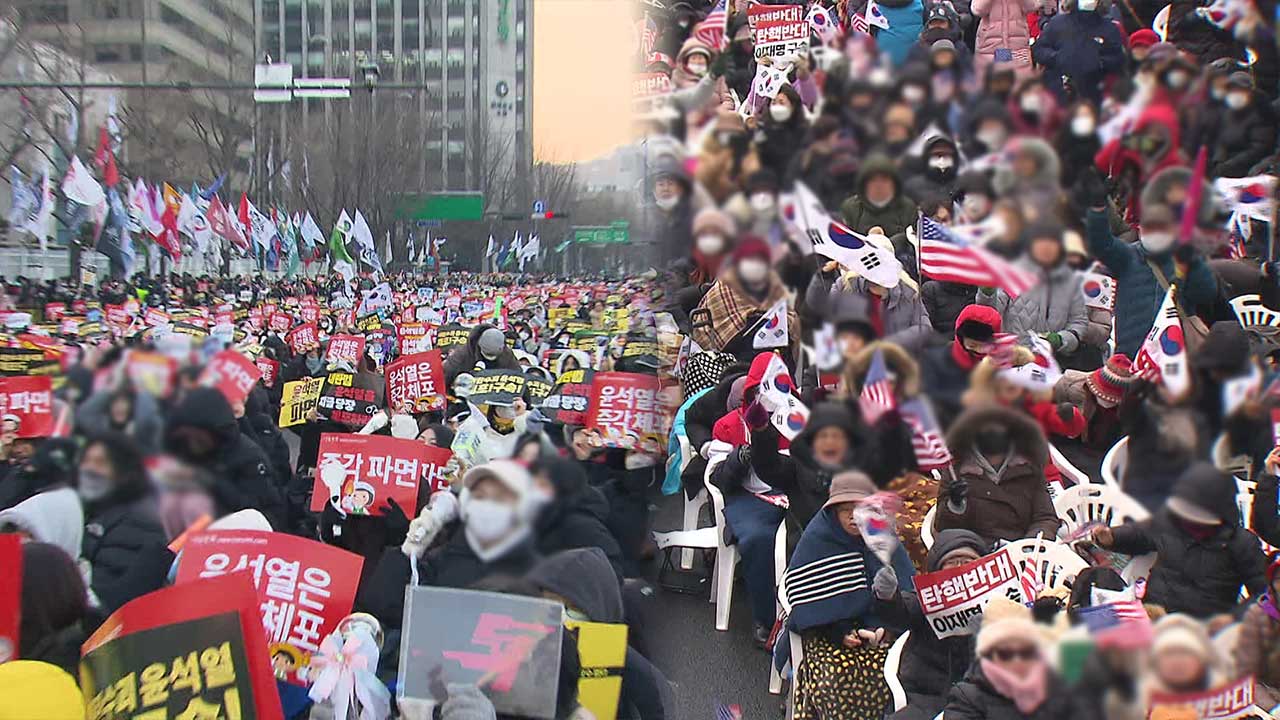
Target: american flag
{"x":1030,"y":578}
{"x":648,"y":35}
{"x":947,"y":256}
{"x":1118,"y":624}
{"x":858,"y":24}
{"x":926,"y":438}
{"x":711,"y":31}
{"x":877,"y":395}
{"x":728,"y":712}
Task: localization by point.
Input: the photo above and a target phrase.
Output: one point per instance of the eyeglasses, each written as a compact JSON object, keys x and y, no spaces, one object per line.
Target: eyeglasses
{"x":1004,"y":655}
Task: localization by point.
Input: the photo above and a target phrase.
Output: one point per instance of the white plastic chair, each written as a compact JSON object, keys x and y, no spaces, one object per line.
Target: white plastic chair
{"x":1057,"y":566}
{"x":926,"y":527}
{"x":1093,"y":503}
{"x":1239,"y":465}
{"x":797,"y":647}
{"x":779,"y":569}
{"x":891,"y":662}
{"x":1065,"y":467}
{"x":1115,"y":461}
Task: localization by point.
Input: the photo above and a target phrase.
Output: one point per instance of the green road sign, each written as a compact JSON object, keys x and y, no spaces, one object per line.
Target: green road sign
{"x":617,"y":232}
{"x":442,"y":206}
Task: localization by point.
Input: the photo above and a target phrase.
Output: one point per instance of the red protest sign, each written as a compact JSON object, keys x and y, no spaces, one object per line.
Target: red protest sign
{"x":280,"y":322}
{"x":270,"y":370}
{"x":346,"y":348}
{"x":376,"y":468}
{"x":303,"y":337}
{"x":309,"y":312}
{"x":416,"y":383}
{"x":232,"y":373}
{"x":224,"y":318}
{"x":303,"y":587}
{"x":10,"y":595}
{"x":1234,"y":700}
{"x":117,"y":316}
{"x":623,"y":407}
{"x":153,"y":317}
{"x":151,"y":372}
{"x":28,"y":401}
{"x":206,"y":636}
{"x":54,"y":311}
{"x":952,"y":600}
{"x":412,"y":337}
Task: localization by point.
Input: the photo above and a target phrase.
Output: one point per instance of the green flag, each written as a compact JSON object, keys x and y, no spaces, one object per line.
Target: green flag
{"x":338,"y":239}
{"x":291,"y":244}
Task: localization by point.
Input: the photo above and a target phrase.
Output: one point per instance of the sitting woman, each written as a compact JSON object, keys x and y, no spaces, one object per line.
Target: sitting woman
{"x":1011,"y":678}
{"x":834,"y":610}
{"x":997,"y":489}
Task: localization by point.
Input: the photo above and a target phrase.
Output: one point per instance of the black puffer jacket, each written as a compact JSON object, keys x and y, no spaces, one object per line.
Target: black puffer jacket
{"x":115,"y":532}
{"x":976,"y":699}
{"x":931,"y":666}
{"x":699,"y":421}
{"x":464,"y":359}
{"x":260,"y":426}
{"x":1199,"y":577}
{"x":577,"y":516}
{"x":1244,"y":138}
{"x":944,"y":301}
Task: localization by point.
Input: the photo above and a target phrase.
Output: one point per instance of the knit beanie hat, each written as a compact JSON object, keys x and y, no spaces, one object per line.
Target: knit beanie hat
{"x":1004,"y":620}
{"x":492,"y":342}
{"x":31,"y":689}
{"x":1109,"y":382}
{"x":1182,"y":632}
{"x":713,"y":220}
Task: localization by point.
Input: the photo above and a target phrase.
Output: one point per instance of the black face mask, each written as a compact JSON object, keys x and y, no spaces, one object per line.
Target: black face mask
{"x":992,"y":440}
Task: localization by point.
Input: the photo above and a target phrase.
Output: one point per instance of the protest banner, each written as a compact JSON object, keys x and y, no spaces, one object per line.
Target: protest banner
{"x":507,"y":644}
{"x":21,"y":361}
{"x":952,"y":600}
{"x":151,"y":372}
{"x":781,"y":32}
{"x":309,"y":312}
{"x":568,"y":401}
{"x":153,"y":317}
{"x":415,"y":383}
{"x":376,"y":469}
{"x":536,"y":388}
{"x":192,"y":328}
{"x":497,"y":387}
{"x":602,"y":656}
{"x":558,"y":316}
{"x":623,"y":407}
{"x":233,"y":374}
{"x":303,"y":587}
{"x":298,"y":399}
{"x":345,"y":348}
{"x":412,"y":337}
{"x":303,"y":337}
{"x":196,"y":648}
{"x":346,"y":399}
{"x":28,"y":402}
{"x":269,"y":368}
{"x":54,"y":311}
{"x":10,"y":595}
{"x":451,"y":336}
{"x":1234,"y":700}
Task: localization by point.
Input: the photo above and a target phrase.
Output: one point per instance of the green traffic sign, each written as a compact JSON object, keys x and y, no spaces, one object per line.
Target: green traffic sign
{"x":442,"y":206}
{"x":616,"y":233}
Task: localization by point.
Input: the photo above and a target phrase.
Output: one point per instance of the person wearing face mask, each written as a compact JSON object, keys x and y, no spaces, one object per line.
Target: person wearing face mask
{"x":945,"y":368}
{"x":571,"y":513}
{"x":755,"y":209}
{"x":1204,"y":119}
{"x":941,"y":167}
{"x":1248,"y":131}
{"x":673,"y":210}
{"x":879,"y":200}
{"x":785,"y":131}
{"x":1143,"y":270}
{"x":120,"y":516}
{"x":1077,"y":141}
{"x":1003,"y":34}
{"x":988,"y":128}
{"x":898,"y":124}
{"x":1033,"y":110}
{"x":943,"y":39}
{"x":1030,"y":182}
{"x":998,"y":488}
{"x":486,"y":349}
{"x":1081,"y":45}
{"x":713,"y":232}
{"x":746,"y":290}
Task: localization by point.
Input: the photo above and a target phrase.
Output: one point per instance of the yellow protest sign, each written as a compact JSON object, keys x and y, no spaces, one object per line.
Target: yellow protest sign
{"x":602,"y":655}
{"x":298,"y":399}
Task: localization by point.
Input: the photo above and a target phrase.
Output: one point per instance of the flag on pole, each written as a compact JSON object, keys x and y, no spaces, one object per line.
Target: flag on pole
{"x":877,"y":390}
{"x":875,"y":18}
{"x":822,"y":23}
{"x":1123,"y":624}
{"x":926,"y":437}
{"x":24,"y":203}
{"x":1250,"y":197}
{"x":363,"y":237}
{"x":1163,"y":354}
{"x":312,"y":235}
{"x":945,"y":255}
{"x":832,"y":239}
{"x":224,"y":226}
{"x":261,"y":228}
{"x":338,"y":240}
{"x":1029,"y":578}
{"x":773,"y":331}
{"x":712,"y":30}
{"x":80,"y":187}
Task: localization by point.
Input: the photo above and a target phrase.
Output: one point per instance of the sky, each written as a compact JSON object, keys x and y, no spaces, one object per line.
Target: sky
{"x":582,"y":53}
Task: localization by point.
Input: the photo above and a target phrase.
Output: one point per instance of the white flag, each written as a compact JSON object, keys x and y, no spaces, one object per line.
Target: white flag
{"x":833,"y":240}
{"x":488,"y":249}
{"x":531,"y":247}
{"x":311,"y":232}
{"x":1038,"y":375}
{"x":1164,"y":353}
{"x":874,"y":17}
{"x":1251,"y":197}
{"x":826,"y":349}
{"x":773,"y":328}
{"x":80,"y":186}
{"x":41,"y":221}
{"x":364,"y":241}
{"x":193,"y":222}
{"x":261,"y":229}
{"x":1099,"y":291}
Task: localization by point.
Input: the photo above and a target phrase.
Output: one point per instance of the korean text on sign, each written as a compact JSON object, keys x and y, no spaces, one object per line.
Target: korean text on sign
{"x":953,"y":600}
{"x":376,"y":469}
{"x":416,"y":382}
{"x":623,"y":407}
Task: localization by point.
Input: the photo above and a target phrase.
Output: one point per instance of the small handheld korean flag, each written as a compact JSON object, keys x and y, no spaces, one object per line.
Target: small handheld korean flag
{"x":1164,"y":353}
{"x":822,"y":24}
{"x":1099,"y":291}
{"x":776,"y":393}
{"x":773,"y":328}
{"x":826,"y":348}
{"x":769,"y":80}
{"x":833,"y":240}
{"x":1161,"y":23}
{"x":874,"y":17}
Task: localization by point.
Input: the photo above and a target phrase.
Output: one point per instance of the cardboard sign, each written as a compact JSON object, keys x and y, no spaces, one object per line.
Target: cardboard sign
{"x":304,"y":587}
{"x":497,"y":387}
{"x":558,"y":316}
{"x":303,"y":337}
{"x":10,"y":595}
{"x":151,"y":372}
{"x":953,"y":600}
{"x":602,"y":656}
{"x":28,"y":401}
{"x":416,"y":383}
{"x":377,"y":469}
{"x":464,"y":636}
{"x":345,"y":401}
{"x":412,"y":337}
{"x":298,"y":399}
{"x":345,"y":348}
{"x":567,"y":404}
{"x":780,"y":32}
{"x":623,"y":407}
{"x":270,"y":370}
{"x":196,"y":647}
{"x":451,"y":336}
{"x":1230,"y":701}
{"x":232,"y":373}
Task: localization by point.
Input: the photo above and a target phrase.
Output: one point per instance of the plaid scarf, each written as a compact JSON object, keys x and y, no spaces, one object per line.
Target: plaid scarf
{"x":730,"y":305}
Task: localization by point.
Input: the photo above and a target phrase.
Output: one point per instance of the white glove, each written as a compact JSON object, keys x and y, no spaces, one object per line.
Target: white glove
{"x":404,"y":427}
{"x":440,"y":510}
{"x":376,"y":423}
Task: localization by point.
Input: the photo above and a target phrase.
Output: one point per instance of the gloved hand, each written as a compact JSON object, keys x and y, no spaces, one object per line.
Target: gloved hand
{"x":987,"y":290}
{"x":885,"y":583}
{"x":1054,"y":339}
{"x":1066,"y":411}
{"x":957,"y":492}
{"x":395,"y":522}
{"x":1090,"y":191}
{"x":466,"y":702}
{"x":719,"y":65}
{"x":756,"y":416}
{"x":376,"y":423}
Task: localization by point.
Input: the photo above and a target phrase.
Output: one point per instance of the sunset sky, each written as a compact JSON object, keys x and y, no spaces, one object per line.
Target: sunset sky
{"x":581,"y":77}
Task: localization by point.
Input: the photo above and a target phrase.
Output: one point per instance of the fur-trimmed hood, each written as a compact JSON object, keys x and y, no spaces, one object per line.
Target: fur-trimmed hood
{"x":899,"y":362}
{"x":1028,"y":439}
{"x":982,"y":379}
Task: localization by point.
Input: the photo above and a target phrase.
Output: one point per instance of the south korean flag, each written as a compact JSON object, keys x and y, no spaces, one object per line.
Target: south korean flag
{"x":772,"y":332}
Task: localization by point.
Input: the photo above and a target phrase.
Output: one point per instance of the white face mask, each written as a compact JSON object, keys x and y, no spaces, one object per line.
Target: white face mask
{"x":975,"y":205}
{"x":698,"y":69}
{"x":1217,"y":93}
{"x":780,"y":113}
{"x":1237,"y":100}
{"x":993,"y":139}
{"x":1157,"y":241}
{"x":709,"y":244}
{"x":1030,"y":103}
{"x":1087,"y":5}
{"x":93,"y":486}
{"x":488,"y":520}
{"x":667,"y":203}
{"x":942,"y":162}
{"x":1178,"y":79}
{"x":1082,"y":125}
{"x":913,"y":94}
{"x":753,"y":271}
{"x":762,"y":202}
